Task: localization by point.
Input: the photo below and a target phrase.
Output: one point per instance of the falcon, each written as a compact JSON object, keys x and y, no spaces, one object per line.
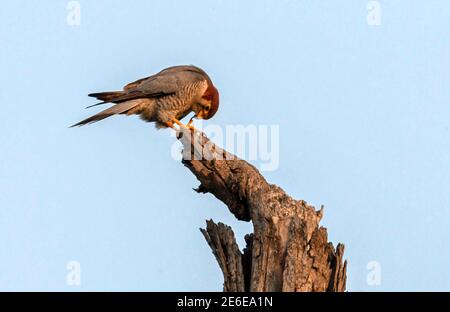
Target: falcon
{"x":163,"y":98}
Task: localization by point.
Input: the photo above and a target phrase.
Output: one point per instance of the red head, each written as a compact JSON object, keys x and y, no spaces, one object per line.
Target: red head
{"x":212,"y":96}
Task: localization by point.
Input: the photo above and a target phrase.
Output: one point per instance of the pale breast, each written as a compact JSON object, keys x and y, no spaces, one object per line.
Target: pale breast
{"x":180,"y":104}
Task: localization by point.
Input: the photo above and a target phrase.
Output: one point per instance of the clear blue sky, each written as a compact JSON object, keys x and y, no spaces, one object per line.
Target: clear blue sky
{"x":363,"y":111}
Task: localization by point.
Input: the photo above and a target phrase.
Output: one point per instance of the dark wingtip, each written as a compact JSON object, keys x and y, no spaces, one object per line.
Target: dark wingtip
{"x":101,"y":103}
{"x":76,"y":125}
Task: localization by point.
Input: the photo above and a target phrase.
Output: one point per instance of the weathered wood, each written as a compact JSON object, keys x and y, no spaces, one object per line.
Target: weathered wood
{"x":289,"y":250}
{"x":223,"y":244}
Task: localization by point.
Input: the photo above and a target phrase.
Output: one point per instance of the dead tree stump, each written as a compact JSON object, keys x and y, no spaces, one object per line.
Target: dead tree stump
{"x":288,"y":250}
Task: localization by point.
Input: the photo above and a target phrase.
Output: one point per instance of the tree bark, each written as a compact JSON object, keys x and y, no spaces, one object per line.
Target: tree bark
{"x":288,"y":250}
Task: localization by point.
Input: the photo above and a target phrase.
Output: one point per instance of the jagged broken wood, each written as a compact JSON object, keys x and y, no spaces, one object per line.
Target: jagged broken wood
{"x":288,"y":250}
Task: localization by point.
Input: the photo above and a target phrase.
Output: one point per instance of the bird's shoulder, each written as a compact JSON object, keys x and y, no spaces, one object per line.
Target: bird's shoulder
{"x":168,"y":80}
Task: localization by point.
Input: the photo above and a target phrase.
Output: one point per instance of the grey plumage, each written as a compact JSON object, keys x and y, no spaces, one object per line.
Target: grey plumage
{"x":113,"y":110}
{"x":171,"y":93}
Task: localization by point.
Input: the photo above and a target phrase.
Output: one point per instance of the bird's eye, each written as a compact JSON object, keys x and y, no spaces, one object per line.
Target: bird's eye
{"x":207,"y":108}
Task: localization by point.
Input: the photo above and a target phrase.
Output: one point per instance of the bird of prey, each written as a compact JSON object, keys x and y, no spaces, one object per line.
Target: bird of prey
{"x":163,"y":98}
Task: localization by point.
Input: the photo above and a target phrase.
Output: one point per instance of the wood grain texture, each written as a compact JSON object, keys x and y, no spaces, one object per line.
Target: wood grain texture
{"x":288,"y":249}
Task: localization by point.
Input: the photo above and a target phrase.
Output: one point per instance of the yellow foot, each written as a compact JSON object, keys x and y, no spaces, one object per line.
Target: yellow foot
{"x":179,"y":123}
{"x":189,"y":125}
{"x":170,"y":125}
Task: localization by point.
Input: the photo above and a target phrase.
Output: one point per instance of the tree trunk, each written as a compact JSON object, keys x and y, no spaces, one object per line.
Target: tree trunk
{"x":288,"y":250}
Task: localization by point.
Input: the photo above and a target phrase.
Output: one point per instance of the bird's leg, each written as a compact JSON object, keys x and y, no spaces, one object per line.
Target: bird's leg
{"x":170,"y":125}
{"x":188,"y":126}
{"x":174,"y":120}
{"x":178,"y":132}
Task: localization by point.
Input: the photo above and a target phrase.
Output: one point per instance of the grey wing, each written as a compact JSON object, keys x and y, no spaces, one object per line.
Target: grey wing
{"x":166,"y":82}
{"x":150,"y":87}
{"x":169,"y":80}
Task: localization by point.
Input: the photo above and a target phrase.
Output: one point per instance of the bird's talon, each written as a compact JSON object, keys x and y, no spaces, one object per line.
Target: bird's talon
{"x":190,"y":126}
{"x":179,"y":123}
